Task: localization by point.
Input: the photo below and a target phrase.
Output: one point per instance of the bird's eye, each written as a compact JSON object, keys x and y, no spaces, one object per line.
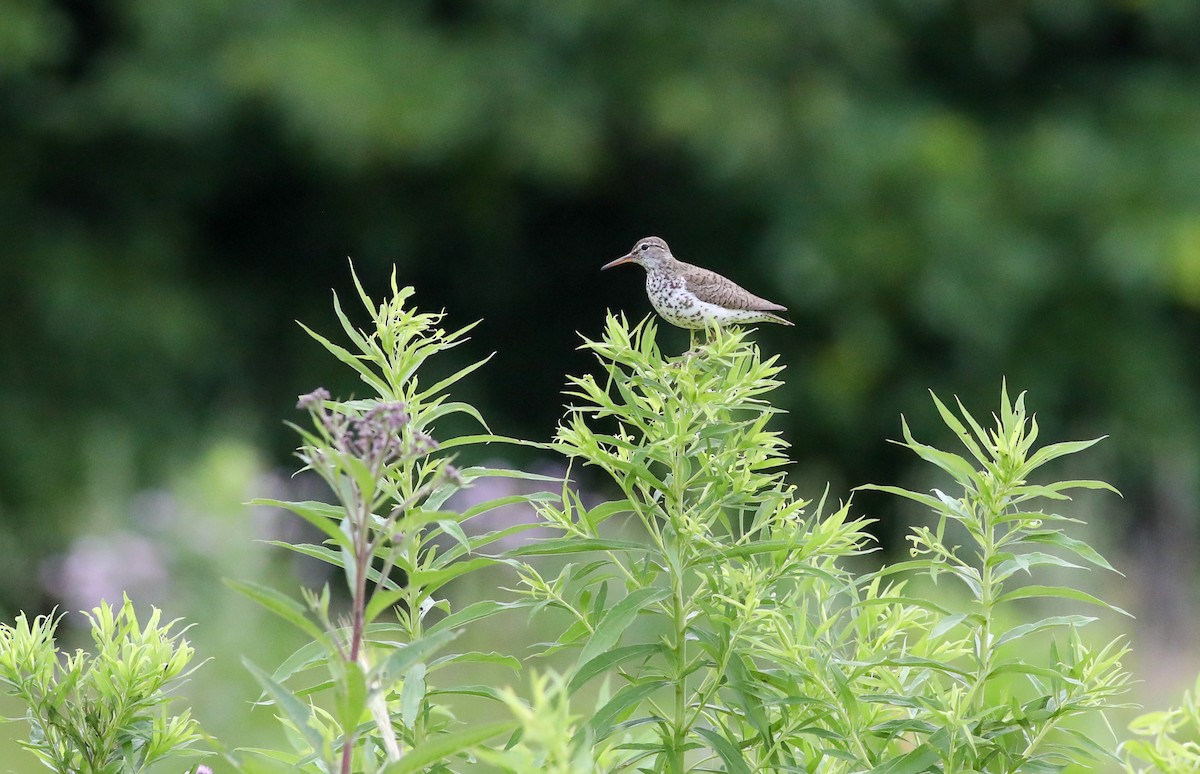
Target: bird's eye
{"x":644,"y":247}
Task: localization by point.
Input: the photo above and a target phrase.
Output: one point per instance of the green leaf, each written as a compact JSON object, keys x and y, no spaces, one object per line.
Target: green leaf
{"x":603,"y":512}
{"x":930,"y":501}
{"x":1056,"y":450}
{"x":961,"y":431}
{"x":299,"y":713}
{"x":956,"y":466}
{"x":321,"y":553}
{"x":608,"y":632}
{"x":351,"y":332}
{"x":606,"y":661}
{"x":730,"y":754}
{"x":439,"y":387}
{"x":915,"y":761}
{"x":1014,"y":563}
{"x":383,"y":599}
{"x":412,"y":694}
{"x":480,"y":691}
{"x":453,"y":407}
{"x":323,"y":516}
{"x":1061,"y":592}
{"x":309,"y":655}
{"x":477,"y":657}
{"x":1077,"y":547}
{"x":945,"y":624}
{"x":387,"y":672}
{"x":431,"y":580}
{"x":452,"y":529}
{"x":601,"y":724}
{"x":473,"y":612}
{"x":489,"y":438}
{"x":748,"y":695}
{"x":575,"y":545}
{"x":443,"y":747}
{"x":1046,"y":623}
{"x":281,"y":605}
{"x":350,"y":693}
{"x":352,"y":360}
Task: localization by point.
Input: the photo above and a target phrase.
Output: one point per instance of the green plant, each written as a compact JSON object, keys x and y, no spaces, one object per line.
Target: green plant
{"x":735,"y":635}
{"x":103,"y":712}
{"x":714,"y":618}
{"x":396,"y":547}
{"x":1168,"y":740}
{"x":995,"y":707}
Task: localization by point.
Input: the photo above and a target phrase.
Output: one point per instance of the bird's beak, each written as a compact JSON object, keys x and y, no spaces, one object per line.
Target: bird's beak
{"x":618,"y":262}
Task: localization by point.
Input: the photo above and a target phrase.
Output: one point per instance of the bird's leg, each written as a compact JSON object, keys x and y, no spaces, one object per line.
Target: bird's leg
{"x":692,"y":351}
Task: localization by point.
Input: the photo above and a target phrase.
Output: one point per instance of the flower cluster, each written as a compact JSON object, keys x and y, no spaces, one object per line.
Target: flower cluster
{"x":379,"y":437}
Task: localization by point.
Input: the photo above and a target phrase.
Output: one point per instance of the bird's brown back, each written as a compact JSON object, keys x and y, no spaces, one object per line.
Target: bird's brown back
{"x":712,"y":287}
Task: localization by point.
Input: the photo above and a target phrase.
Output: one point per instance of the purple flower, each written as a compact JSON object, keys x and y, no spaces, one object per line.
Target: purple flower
{"x":313,"y":400}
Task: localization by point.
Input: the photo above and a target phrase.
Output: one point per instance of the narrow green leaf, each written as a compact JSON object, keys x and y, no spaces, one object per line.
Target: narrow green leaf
{"x":961,"y":431}
{"x":574,"y":545}
{"x":1014,"y":563}
{"x":449,"y":380}
{"x":453,"y":407}
{"x":382,"y":599}
{"x":350,"y":694}
{"x":443,"y":747}
{"x":352,"y":360}
{"x":477,"y":657}
{"x":299,"y":713}
{"x":629,"y":697}
{"x":603,"y":512}
{"x":1022,"y":668}
{"x":1046,"y":623}
{"x":1061,"y":592}
{"x":321,"y":553}
{"x":956,"y":466}
{"x":748,"y":695}
{"x":731,"y":754}
{"x":1055,"y":489}
{"x":351,"y":332}
{"x":1056,"y":450}
{"x":491,"y":505}
{"x":307,"y":656}
{"x":1077,"y":547}
{"x":927,"y":500}
{"x":387,"y":672}
{"x":323,"y":516}
{"x":471,"y":613}
{"x":945,"y":624}
{"x":890,"y":601}
{"x":480,"y":691}
{"x":432,"y":580}
{"x":915,"y":761}
{"x":281,"y":605}
{"x":412,"y":694}
{"x":451,"y":528}
{"x":610,"y":629}
{"x":606,"y":661}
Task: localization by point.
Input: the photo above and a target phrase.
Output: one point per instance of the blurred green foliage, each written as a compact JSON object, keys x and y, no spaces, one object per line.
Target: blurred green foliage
{"x":943,"y":191}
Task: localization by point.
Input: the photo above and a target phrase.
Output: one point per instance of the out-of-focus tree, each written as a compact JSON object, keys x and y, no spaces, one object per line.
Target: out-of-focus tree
{"x":943,"y":193}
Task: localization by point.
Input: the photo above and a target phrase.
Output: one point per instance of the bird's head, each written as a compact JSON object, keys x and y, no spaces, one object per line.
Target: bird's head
{"x":650,"y":252}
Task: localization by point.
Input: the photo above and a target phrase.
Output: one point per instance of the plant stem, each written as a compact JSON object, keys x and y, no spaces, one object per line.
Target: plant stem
{"x":358,"y":606}
{"x":680,"y":623}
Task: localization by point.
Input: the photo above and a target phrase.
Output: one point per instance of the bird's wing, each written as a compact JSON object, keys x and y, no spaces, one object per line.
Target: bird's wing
{"x":712,"y":287}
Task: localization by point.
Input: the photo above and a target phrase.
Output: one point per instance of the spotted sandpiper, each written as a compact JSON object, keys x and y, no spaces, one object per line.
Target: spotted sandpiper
{"x":691,"y":297}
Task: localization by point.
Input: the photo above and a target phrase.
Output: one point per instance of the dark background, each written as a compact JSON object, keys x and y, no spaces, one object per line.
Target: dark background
{"x":944,"y":193}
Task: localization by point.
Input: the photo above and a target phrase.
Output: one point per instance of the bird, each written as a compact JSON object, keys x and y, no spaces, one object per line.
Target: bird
{"x":691,"y":297}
